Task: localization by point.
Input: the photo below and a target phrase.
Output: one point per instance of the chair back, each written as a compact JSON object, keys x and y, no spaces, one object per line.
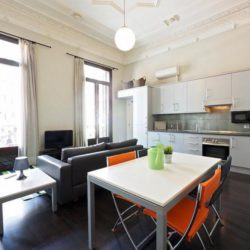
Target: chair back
{"x":225,"y":169}
{"x":116,"y":159}
{"x":142,"y":152}
{"x":205,"y":192}
{"x":208,"y":188}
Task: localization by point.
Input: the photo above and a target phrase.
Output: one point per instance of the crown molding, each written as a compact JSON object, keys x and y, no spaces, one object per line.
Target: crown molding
{"x":215,"y":25}
{"x":17,"y":14}
{"x":139,"y":3}
{"x":66,"y":31}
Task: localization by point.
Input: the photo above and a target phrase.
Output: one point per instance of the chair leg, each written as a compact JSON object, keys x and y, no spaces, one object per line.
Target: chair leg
{"x":217,"y":214}
{"x":201,"y":241}
{"x":118,"y":222}
{"x":122,"y":222}
{"x":219,"y":220}
{"x":208,"y":235}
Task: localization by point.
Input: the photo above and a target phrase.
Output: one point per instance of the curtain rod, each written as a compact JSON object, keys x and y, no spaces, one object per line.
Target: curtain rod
{"x":19,"y":37}
{"x":89,"y":61}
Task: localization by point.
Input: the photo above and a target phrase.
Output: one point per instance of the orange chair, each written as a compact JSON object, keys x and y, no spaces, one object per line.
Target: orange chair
{"x":112,"y":161}
{"x":187,"y":217}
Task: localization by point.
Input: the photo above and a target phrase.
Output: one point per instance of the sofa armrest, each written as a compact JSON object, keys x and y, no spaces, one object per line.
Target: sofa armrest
{"x":61,"y":172}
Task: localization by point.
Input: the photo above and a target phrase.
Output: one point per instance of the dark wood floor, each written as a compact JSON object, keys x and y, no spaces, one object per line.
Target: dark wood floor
{"x":31,"y":224}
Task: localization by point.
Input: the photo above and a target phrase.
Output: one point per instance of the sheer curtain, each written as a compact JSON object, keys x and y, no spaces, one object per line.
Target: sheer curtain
{"x":29,"y":114}
{"x":79,"y":82}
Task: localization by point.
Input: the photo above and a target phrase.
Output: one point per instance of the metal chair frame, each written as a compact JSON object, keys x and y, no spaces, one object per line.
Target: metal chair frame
{"x":121,"y":221}
{"x":170,"y":234}
{"x":225,"y":168}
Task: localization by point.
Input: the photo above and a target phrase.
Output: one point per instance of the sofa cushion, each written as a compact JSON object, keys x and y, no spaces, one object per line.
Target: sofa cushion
{"x":82,"y":164}
{"x":122,"y":144}
{"x":70,"y":152}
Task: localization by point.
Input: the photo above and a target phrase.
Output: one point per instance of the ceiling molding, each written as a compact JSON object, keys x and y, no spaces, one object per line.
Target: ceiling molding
{"x":108,"y":2}
{"x":117,"y":7}
{"x":149,"y":3}
{"x":87,"y":35}
{"x":19,"y":15}
{"x":217,"y":24}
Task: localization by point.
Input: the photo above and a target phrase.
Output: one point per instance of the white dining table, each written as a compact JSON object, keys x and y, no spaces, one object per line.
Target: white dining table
{"x":158,"y":190}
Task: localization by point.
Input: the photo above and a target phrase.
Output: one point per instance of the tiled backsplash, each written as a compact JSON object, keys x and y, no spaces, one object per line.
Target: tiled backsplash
{"x":205,"y":121}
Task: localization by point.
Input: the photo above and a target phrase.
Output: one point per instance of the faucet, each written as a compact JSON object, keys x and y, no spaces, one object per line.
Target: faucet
{"x":197,"y":127}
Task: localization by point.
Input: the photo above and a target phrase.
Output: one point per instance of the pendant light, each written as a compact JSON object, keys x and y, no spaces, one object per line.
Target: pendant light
{"x":124,"y":37}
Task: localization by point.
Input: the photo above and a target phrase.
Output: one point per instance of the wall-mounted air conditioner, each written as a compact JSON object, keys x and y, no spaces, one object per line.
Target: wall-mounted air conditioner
{"x":168,"y":72}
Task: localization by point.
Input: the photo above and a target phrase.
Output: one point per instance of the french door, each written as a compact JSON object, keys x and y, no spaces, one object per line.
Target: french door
{"x":98,"y":104}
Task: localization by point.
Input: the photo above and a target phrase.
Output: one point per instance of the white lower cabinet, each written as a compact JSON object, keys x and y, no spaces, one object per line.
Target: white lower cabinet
{"x":240,"y":148}
{"x":192,"y":144}
{"x":153,"y":138}
{"x":167,"y":139}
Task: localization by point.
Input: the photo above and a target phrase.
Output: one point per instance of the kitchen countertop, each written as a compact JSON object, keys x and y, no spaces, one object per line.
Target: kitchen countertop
{"x":204,"y":132}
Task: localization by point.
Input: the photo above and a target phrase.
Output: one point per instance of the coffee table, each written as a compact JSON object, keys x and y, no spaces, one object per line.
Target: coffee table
{"x":11,"y":188}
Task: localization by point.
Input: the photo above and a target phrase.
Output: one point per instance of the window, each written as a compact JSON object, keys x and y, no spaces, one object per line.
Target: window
{"x":9,"y":91}
{"x":98,"y":106}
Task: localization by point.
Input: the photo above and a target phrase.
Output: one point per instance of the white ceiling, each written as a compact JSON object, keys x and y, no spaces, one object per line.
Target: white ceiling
{"x":101,"y":18}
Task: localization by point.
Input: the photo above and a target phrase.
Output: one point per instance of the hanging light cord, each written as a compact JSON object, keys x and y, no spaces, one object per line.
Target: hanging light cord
{"x":124,"y":13}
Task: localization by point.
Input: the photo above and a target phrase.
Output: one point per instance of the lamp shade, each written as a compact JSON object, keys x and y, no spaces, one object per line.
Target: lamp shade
{"x":124,"y":38}
{"x":21,"y":163}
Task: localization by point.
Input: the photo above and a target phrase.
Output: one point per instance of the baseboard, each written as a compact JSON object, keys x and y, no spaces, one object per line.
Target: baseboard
{"x":240,"y":170}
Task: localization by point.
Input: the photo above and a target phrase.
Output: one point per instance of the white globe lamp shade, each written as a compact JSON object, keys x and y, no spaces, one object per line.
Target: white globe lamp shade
{"x":124,"y":39}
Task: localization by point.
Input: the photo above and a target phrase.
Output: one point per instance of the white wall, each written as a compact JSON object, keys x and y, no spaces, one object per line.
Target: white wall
{"x":55,"y":84}
{"x":222,"y":53}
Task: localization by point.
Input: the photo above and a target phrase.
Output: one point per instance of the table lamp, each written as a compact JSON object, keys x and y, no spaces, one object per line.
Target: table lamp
{"x":21,"y":163}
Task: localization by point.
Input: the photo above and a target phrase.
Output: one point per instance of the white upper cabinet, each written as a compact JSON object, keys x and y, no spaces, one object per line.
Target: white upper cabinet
{"x":219,"y":90}
{"x":171,"y":98}
{"x":196,"y":96}
{"x":241,"y":90}
{"x":125,"y":93}
{"x":180,"y":97}
{"x":157,"y":105}
{"x":167,"y":99}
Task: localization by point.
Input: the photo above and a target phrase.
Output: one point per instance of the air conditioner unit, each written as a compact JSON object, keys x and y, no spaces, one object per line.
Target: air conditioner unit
{"x":168,"y":72}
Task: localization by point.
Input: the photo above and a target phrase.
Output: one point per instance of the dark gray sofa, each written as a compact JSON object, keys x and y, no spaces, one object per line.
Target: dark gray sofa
{"x":71,"y":172}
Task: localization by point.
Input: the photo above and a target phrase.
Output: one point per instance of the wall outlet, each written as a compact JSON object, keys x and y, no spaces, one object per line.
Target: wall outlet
{"x":246,"y":126}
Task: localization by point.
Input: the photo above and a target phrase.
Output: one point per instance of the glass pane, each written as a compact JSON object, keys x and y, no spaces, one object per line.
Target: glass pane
{"x":103,"y":110}
{"x":96,"y":73}
{"x":90,"y":110}
{"x":9,"y":51}
{"x":9,"y":105}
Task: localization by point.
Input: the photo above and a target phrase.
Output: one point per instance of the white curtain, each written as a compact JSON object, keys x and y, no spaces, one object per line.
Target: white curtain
{"x":29,"y":131}
{"x":79,"y":80}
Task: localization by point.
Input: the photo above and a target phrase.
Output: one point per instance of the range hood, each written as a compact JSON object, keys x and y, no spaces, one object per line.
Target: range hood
{"x":218,"y":108}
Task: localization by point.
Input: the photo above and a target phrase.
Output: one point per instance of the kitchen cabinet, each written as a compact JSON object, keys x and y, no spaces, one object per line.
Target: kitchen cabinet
{"x":219,"y":90}
{"x":169,"y":99}
{"x":241,"y":90}
{"x":180,"y":97}
{"x":176,"y":141}
{"x":239,"y":151}
{"x":153,"y":138}
{"x":157,"y":105}
{"x":192,"y":144}
{"x":125,"y":93}
{"x":167,"y":139}
{"x":196,"y":96}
